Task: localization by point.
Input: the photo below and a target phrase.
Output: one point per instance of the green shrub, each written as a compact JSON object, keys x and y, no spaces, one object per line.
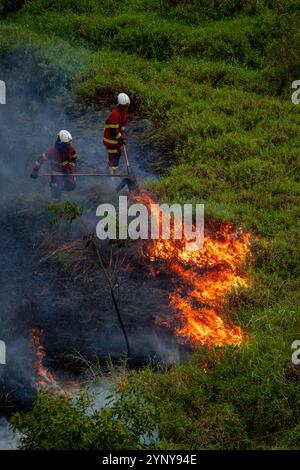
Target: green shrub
{"x":65,"y":423}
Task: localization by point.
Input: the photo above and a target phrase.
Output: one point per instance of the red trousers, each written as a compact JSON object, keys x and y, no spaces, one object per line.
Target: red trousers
{"x":113,"y":157}
{"x":65,"y":182}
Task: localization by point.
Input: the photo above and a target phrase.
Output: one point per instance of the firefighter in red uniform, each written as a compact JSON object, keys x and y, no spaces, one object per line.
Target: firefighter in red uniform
{"x":114,"y":131}
{"x":62,"y":157}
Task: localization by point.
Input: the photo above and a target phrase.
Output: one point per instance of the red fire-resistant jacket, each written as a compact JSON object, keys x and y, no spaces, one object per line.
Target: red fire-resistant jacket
{"x":60,"y":162}
{"x":114,"y":129}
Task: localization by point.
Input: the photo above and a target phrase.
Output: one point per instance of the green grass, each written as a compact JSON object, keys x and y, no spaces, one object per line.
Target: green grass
{"x":40,"y":52}
{"x":154,"y":37}
{"x":216,"y":86}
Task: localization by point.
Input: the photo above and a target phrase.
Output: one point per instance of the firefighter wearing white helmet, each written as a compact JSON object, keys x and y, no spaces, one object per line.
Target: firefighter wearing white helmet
{"x":62,"y":157}
{"x":123,"y":99}
{"x":64,"y":137}
{"x":114,"y":128}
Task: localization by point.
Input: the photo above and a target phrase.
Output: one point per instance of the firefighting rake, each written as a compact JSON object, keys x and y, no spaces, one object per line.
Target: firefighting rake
{"x":129,"y":178}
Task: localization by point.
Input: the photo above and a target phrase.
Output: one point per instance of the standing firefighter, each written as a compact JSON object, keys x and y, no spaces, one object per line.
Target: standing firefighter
{"x":62,"y":157}
{"x":114,"y":130}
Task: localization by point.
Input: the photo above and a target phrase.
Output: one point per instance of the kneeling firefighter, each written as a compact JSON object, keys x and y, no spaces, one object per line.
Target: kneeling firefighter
{"x":62,"y":158}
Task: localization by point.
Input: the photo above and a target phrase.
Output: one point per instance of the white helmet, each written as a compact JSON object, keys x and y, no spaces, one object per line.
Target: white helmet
{"x":65,"y":137}
{"x":123,"y":99}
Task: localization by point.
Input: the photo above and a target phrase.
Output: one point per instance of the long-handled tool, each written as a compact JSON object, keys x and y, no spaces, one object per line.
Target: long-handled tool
{"x":130,"y":179}
{"x":86,"y":174}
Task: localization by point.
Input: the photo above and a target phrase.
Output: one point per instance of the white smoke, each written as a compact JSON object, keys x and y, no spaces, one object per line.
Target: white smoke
{"x":8,"y":439}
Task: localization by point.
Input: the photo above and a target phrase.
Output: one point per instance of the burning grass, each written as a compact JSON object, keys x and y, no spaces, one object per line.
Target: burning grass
{"x":43,"y":376}
{"x":202,"y":278}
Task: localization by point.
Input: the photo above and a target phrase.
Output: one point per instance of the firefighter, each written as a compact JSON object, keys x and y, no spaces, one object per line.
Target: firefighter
{"x":62,"y":157}
{"x":114,"y":132}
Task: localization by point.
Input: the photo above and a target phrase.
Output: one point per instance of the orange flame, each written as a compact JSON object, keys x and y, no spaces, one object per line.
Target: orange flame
{"x":204,"y":277}
{"x":44,"y":377}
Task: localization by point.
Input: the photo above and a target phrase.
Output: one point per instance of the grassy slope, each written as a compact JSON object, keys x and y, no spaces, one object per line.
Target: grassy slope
{"x":217,"y":90}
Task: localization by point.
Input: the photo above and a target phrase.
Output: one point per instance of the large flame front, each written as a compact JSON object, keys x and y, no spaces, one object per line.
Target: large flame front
{"x":204,"y":277}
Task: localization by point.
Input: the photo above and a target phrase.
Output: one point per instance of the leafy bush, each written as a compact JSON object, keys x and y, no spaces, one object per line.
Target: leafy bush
{"x":65,"y":423}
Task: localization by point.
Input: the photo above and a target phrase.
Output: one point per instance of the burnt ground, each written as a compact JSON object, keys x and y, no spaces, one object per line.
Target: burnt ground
{"x":75,"y":317}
